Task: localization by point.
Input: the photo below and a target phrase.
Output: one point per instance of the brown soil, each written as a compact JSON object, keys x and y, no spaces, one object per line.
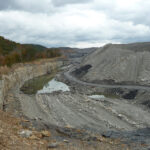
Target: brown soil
{"x":10,"y":138}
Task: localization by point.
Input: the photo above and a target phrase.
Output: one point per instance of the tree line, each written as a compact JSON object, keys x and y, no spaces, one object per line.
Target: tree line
{"x":11,"y":52}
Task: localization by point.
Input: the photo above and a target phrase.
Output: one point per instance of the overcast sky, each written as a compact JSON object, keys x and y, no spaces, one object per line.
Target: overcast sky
{"x":76,"y":23}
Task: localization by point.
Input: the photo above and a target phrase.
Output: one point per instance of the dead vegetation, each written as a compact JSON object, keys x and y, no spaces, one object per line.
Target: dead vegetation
{"x":10,"y":138}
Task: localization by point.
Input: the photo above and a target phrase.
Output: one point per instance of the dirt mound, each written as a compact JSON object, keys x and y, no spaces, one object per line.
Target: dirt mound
{"x":119,"y":63}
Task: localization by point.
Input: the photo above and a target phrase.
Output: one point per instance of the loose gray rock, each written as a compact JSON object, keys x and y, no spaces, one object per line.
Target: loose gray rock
{"x":66,"y":141}
{"x":53,"y":145}
{"x":25,"y":133}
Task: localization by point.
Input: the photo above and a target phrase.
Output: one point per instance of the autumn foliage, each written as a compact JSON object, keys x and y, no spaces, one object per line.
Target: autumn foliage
{"x":11,"y":52}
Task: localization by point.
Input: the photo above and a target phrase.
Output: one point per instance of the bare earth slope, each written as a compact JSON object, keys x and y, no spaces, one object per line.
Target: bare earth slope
{"x":128,"y":63}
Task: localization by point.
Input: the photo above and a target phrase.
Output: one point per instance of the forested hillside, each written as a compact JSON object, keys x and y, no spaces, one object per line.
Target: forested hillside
{"x":12,"y":52}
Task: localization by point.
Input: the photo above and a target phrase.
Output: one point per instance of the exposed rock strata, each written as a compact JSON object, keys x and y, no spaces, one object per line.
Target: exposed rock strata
{"x":22,"y":74}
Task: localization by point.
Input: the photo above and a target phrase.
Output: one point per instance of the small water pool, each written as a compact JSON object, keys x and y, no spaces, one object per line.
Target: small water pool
{"x":97,"y":97}
{"x":54,"y":86}
{"x":33,"y":85}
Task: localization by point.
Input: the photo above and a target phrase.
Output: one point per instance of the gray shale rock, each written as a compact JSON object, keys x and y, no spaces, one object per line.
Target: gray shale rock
{"x":25,"y":133}
{"x":52,"y":145}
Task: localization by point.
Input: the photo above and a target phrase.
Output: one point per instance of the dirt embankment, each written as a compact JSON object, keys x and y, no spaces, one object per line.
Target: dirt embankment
{"x":25,"y":72}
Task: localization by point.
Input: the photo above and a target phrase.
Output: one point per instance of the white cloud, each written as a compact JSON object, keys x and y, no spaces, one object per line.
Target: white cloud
{"x":80,"y":25}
